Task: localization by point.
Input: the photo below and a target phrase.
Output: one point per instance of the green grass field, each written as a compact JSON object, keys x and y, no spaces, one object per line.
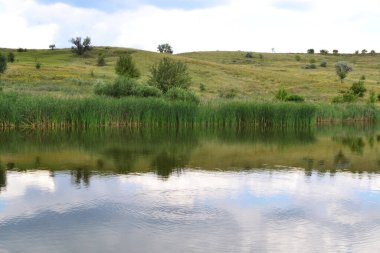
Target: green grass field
{"x":64,"y":74}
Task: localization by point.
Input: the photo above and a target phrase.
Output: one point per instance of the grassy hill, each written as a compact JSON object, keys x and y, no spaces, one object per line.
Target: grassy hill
{"x":65,"y":74}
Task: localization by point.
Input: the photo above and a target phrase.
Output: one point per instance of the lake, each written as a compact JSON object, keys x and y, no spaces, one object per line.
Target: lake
{"x":190,"y":190}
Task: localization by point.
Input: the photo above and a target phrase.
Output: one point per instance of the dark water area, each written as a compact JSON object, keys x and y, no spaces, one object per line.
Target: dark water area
{"x":191,"y":190}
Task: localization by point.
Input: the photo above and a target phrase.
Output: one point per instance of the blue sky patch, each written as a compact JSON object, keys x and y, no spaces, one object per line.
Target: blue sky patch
{"x":115,"y":5}
{"x":293,"y":5}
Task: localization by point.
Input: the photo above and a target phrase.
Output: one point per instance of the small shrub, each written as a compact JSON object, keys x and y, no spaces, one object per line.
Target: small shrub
{"x":146,"y":91}
{"x":281,"y":94}
{"x":92,"y":73}
{"x":323,"y":64}
{"x":297,"y":57}
{"x":120,"y":87}
{"x":126,"y":67}
{"x":310,"y":51}
{"x":249,"y":55}
{"x":310,"y":66}
{"x":178,"y":94}
{"x":337,"y":99}
{"x":295,"y":98}
{"x":261,"y":56}
{"x":11,"y":57}
{"x":372,"y":97}
{"x":312,"y":61}
{"x":101,"y":61}
{"x":202,"y":87}
{"x":38,"y":65}
{"x":358,"y":88}
{"x":362,"y":77}
{"x":349,"y":97}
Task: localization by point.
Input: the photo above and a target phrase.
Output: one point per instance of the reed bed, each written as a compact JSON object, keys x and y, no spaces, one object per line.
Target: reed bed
{"x":21,"y":111}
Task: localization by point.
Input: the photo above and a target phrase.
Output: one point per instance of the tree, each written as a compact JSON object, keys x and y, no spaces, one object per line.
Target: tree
{"x":373,"y":52}
{"x":342,"y":68}
{"x":3,"y":63}
{"x":52,"y":46}
{"x":125,"y":66}
{"x":335,"y":52}
{"x":324,"y":52}
{"x":79,"y":47}
{"x":168,"y":74}
{"x":165,"y":48}
{"x":364,"y":51}
{"x":310,"y":51}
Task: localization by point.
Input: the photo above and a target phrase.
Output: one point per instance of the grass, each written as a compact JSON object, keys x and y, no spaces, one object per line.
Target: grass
{"x":23,"y":111}
{"x":252,"y":78}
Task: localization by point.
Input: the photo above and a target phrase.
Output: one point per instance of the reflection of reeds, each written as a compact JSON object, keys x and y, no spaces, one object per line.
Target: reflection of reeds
{"x":46,"y":112}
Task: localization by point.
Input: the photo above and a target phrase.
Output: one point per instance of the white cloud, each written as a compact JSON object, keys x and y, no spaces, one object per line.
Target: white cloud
{"x":236,"y":25}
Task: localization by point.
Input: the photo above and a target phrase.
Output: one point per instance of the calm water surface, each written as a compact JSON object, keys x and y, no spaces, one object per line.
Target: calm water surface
{"x":190,"y":191}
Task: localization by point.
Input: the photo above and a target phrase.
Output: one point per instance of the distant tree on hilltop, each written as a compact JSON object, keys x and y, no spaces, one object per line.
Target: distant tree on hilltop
{"x":165,"y":48}
{"x":79,"y":47}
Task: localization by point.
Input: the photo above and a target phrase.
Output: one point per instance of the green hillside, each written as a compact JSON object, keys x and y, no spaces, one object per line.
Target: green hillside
{"x":65,"y":74}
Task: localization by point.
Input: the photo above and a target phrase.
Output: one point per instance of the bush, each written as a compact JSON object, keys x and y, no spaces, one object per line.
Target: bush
{"x":281,"y":94}
{"x":310,"y":66}
{"x":101,"y":61}
{"x":312,"y":60}
{"x":126,"y":67}
{"x":310,"y":51}
{"x":249,"y":55}
{"x":11,"y":57}
{"x":295,"y":98}
{"x":146,"y":91}
{"x":378,"y":97}
{"x":168,"y":74}
{"x":120,"y":87}
{"x":362,"y":77}
{"x":372,"y":97}
{"x":358,"y":88}
{"x":38,"y":65}
{"x":349,"y":96}
{"x":178,"y":94}
{"x":297,"y":57}
{"x":323,"y":64}
{"x":202,"y":87}
{"x":3,"y":63}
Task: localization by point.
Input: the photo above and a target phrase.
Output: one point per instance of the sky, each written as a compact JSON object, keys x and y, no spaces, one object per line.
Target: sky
{"x":194,"y":25}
